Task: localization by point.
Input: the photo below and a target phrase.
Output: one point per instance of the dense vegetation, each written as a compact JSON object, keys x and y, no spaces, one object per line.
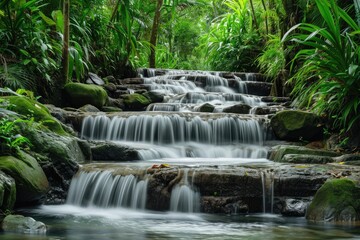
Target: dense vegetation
{"x":314,"y":42}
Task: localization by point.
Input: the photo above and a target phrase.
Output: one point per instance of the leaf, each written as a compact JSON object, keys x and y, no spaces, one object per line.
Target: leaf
{"x":49,"y":21}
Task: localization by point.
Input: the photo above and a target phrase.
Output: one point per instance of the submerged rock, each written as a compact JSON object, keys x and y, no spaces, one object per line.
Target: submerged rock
{"x":108,"y":151}
{"x":336,"y":200}
{"x":79,"y":94}
{"x":30,"y":179}
{"x":293,"y":125}
{"x":21,"y":224}
{"x":207,"y":107}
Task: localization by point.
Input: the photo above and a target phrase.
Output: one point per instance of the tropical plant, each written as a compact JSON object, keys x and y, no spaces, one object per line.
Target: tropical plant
{"x":328,"y":79}
{"x":10,"y":139}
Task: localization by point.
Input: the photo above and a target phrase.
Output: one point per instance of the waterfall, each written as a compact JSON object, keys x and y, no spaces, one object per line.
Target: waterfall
{"x":184,"y":198}
{"x":103,"y":189}
{"x":267,"y":181}
{"x":169,"y":129}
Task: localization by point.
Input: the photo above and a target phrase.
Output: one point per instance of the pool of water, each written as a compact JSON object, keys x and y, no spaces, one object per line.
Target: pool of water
{"x":72,"y":222}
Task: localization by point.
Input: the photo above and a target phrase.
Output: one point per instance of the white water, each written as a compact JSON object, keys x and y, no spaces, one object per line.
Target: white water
{"x":103,"y":189}
{"x":184,"y":197}
{"x":169,"y":129}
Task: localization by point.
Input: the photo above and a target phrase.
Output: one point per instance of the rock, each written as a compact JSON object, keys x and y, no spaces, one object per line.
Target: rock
{"x":78,"y":94}
{"x":238,"y":108}
{"x":89,"y":108}
{"x":31,"y":182}
{"x":110,"y":79}
{"x":154,"y":96}
{"x":305,"y":158}
{"x":278,"y":153}
{"x":7,"y":192}
{"x":294,"y":207}
{"x":349,"y":159}
{"x":336,"y":200}
{"x":116,"y":103}
{"x":207,"y":107}
{"x":108,"y":151}
{"x":110,"y":87}
{"x":111,"y":109}
{"x":135,"y":102}
{"x":95,"y":79}
{"x":294,"y":125}
{"x":21,"y":224}
{"x":228,"y":205}
{"x":39,"y":112}
{"x":58,"y":156}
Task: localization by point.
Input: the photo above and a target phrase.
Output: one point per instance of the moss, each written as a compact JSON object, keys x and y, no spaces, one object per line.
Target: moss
{"x":135,"y":101}
{"x":79,"y":94}
{"x":28,"y":107}
{"x":31,"y":182}
{"x":279,"y":152}
{"x":295,"y":125}
{"x":334,"y":199}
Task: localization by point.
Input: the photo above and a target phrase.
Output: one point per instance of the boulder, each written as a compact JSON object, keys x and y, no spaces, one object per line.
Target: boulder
{"x":279,"y":152}
{"x":21,"y":224}
{"x":39,"y":112}
{"x":154,"y":96}
{"x":108,"y":151}
{"x":94,"y":78}
{"x":293,"y":125}
{"x":336,"y":200}
{"x":30,"y":179}
{"x":207,"y":107}
{"x":7,"y":192}
{"x":79,"y":94}
{"x":135,"y":102}
{"x":294,"y":207}
{"x":89,"y":108}
{"x":238,"y":108}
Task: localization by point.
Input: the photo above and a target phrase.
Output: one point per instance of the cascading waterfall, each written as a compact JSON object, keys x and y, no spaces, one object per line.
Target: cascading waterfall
{"x":184,"y":197}
{"x":169,"y":129}
{"x":103,"y":189}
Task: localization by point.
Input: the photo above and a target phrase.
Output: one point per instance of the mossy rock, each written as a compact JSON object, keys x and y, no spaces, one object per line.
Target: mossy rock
{"x":7,"y":192}
{"x":207,"y":107}
{"x":79,"y":94}
{"x":135,"y":102}
{"x":293,"y":125}
{"x":238,"y":108}
{"x":31,"y":182}
{"x":28,"y":107}
{"x":336,"y":200}
{"x":279,"y":153}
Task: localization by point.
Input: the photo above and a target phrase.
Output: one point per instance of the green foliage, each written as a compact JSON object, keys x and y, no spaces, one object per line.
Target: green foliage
{"x":272,"y":60}
{"x":10,"y":139}
{"x":328,"y":79}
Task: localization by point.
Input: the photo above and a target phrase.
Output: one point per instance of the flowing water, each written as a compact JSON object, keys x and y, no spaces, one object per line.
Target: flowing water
{"x":106,"y":205}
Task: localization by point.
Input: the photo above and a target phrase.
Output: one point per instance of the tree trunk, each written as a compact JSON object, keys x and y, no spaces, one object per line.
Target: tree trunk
{"x":253,"y":13}
{"x":266,"y":17}
{"x":65,"y":50}
{"x":154,"y":33}
{"x":357,"y":11}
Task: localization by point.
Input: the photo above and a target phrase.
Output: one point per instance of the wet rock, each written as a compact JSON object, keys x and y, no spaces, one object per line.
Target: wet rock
{"x":238,"y":108}
{"x":128,"y":81}
{"x":207,"y":107}
{"x":108,"y":151}
{"x":119,"y":103}
{"x":31,"y":182}
{"x":228,"y":205}
{"x":258,"y":88}
{"x":154,"y":97}
{"x":294,"y":207}
{"x":279,"y":152}
{"x":110,"y":87}
{"x":95,"y":79}
{"x":111,"y":109}
{"x":110,"y":79}
{"x":349,"y":159}
{"x":294,"y":125}
{"x":7,"y":192}
{"x":135,"y":102}
{"x":21,"y":224}
{"x":305,"y":158}
{"x":78,"y":94}
{"x":336,"y":200}
{"x":89,"y":108}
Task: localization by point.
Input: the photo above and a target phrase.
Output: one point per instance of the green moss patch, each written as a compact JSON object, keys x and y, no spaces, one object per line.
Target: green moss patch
{"x":79,"y":94}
